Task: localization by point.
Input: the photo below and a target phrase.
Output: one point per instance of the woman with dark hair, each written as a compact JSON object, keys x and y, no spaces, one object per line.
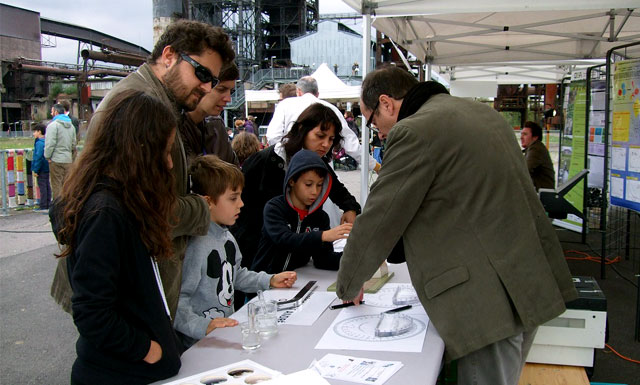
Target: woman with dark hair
{"x":316,"y":129}
{"x":114,"y":217}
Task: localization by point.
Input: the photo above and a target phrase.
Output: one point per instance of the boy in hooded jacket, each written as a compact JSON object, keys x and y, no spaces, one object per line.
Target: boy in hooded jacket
{"x":295,"y":227}
{"x":40,"y":167}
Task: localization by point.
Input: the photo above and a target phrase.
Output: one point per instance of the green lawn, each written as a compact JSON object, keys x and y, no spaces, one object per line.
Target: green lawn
{"x":22,"y":143}
{"x":16,"y":143}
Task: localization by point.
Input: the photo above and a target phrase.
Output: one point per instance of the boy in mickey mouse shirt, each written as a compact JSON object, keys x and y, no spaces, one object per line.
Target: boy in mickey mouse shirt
{"x":211,"y":269}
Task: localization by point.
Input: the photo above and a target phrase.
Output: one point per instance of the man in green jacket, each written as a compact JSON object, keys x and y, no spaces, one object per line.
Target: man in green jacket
{"x":59,"y":147}
{"x":537,"y":156}
{"x":482,"y":255}
{"x":182,"y":68}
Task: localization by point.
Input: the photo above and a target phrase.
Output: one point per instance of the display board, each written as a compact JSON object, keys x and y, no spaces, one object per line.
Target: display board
{"x":596,"y":139}
{"x":625,"y":136}
{"x":573,"y":148}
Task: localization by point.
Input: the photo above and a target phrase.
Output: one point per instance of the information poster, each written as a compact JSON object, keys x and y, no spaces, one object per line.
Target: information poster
{"x":625,"y":135}
{"x":573,"y":148}
{"x":596,"y":137}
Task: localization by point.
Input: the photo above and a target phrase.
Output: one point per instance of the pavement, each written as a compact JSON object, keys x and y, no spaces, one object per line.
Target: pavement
{"x":37,"y":338}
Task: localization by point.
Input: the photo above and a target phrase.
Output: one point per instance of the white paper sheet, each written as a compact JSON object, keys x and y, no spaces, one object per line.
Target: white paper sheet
{"x":306,"y":377}
{"x":618,"y":158}
{"x":304,"y":315}
{"x":354,"y":369}
{"x":633,"y":190}
{"x":634,"y":159}
{"x":617,"y":187}
{"x":354,"y":329}
{"x":596,"y":171}
{"x":383,"y":298}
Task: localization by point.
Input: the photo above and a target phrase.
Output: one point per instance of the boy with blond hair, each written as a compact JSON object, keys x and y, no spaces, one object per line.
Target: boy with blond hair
{"x":211,"y":270}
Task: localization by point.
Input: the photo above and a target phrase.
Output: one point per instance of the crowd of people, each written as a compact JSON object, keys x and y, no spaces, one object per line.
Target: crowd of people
{"x":166,"y":223}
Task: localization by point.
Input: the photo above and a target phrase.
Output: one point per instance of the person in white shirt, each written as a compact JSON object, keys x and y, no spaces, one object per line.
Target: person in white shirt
{"x":288,"y":110}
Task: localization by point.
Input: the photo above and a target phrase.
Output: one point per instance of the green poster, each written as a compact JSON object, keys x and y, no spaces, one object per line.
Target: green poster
{"x":573,"y":149}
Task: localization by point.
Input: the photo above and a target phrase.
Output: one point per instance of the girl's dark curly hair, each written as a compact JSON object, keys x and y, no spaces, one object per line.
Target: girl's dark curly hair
{"x":129,"y":146}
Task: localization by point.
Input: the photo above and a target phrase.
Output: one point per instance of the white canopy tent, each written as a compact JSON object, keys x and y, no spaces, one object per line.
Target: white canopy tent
{"x":331,"y":88}
{"x":497,"y":39}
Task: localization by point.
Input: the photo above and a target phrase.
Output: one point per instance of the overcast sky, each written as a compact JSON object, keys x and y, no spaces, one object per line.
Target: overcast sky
{"x":130,"y":20}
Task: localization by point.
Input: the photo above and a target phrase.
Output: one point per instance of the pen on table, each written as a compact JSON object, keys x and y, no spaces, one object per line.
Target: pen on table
{"x":346,"y":304}
{"x":398,"y":309}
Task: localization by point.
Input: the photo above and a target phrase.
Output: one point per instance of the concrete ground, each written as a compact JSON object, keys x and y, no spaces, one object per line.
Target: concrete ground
{"x":37,"y":339}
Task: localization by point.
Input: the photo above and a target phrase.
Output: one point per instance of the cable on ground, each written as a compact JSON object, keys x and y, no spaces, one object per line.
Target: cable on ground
{"x":621,"y":356}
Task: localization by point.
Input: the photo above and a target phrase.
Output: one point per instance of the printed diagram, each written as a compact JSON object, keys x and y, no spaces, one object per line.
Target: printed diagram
{"x":384,"y":297}
{"x":363,"y":328}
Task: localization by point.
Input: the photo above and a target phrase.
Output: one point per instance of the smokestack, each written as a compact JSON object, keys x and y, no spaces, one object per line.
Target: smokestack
{"x":164,"y":13}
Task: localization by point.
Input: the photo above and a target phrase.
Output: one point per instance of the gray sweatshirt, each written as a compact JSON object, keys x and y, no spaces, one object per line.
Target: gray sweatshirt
{"x":60,"y":140}
{"x":210,"y":272}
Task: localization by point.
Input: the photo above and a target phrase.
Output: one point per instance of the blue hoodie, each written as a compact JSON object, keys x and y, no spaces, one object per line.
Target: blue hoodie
{"x":39,"y":164}
{"x":290,"y":236}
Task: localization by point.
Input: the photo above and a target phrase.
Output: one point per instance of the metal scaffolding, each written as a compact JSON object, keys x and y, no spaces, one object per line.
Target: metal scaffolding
{"x":260,"y":29}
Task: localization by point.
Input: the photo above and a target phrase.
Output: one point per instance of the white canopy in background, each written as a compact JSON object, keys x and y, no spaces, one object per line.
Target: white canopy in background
{"x":502,"y":40}
{"x":491,"y":39}
{"x":330,"y":86}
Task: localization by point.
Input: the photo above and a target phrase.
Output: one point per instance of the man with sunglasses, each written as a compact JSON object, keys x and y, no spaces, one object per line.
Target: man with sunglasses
{"x":182,"y":68}
{"x":455,"y":193}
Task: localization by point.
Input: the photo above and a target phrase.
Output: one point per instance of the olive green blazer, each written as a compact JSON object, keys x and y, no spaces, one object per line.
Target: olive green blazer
{"x":483,"y":256}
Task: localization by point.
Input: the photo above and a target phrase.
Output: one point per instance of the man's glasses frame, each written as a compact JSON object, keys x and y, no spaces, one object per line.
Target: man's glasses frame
{"x":202,"y":73}
{"x":373,"y":112}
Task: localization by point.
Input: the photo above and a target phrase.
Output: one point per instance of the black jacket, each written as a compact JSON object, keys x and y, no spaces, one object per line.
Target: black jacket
{"x":116,"y":302}
{"x":264,"y":175}
{"x":207,"y":137}
{"x":290,"y":237}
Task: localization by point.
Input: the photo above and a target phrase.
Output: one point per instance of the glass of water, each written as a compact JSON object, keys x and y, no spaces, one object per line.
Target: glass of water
{"x":266,"y":317}
{"x":250,"y":336}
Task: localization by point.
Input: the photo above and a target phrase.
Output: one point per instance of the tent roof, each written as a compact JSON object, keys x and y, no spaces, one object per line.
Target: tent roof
{"x":331,"y":88}
{"x":327,"y":80}
{"x":385,"y":8}
{"x":494,"y":33}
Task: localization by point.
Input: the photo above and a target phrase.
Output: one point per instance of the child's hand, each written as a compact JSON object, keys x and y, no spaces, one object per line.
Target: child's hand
{"x":155,"y":353}
{"x":284,"y":279}
{"x":220,"y":322}
{"x":338,"y":232}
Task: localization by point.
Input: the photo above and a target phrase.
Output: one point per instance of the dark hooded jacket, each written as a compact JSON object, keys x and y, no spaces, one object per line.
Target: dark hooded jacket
{"x":264,"y":173}
{"x":290,"y":236}
{"x":117,"y":304}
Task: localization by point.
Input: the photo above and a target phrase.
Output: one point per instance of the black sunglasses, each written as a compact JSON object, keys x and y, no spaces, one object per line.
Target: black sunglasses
{"x":202,"y":73}
{"x":370,"y":120}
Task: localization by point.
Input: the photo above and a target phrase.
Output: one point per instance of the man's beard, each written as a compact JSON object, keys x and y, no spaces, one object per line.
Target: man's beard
{"x":178,"y":92}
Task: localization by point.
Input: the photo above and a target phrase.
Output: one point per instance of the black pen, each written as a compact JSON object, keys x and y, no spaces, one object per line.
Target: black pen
{"x":346,"y":304}
{"x":398,"y":309}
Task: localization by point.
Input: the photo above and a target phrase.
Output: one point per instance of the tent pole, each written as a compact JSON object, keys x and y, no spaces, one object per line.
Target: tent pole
{"x":366,"y":68}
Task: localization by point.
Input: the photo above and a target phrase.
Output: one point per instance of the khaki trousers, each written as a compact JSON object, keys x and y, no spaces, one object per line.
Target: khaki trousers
{"x":500,"y":363}
{"x":57,"y":173}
